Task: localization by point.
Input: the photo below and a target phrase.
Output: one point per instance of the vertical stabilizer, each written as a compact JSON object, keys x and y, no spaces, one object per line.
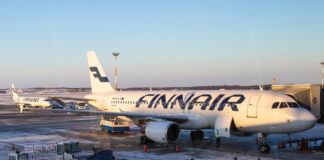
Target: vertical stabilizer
{"x":13,"y":87}
{"x":15,"y":96}
{"x":99,"y":80}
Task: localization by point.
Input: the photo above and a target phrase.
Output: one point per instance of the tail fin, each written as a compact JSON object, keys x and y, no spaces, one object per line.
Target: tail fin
{"x":98,"y":78}
{"x":13,"y":87}
{"x":15,"y":96}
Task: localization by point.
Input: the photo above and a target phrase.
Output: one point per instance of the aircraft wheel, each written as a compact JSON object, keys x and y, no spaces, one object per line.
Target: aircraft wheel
{"x":264,"y":148}
{"x":145,"y":140}
{"x":200,"y":135}
{"x":197,"y":135}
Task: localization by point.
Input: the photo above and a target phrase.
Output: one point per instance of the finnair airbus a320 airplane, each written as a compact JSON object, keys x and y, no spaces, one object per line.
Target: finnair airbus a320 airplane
{"x":163,"y":114}
{"x":27,"y":102}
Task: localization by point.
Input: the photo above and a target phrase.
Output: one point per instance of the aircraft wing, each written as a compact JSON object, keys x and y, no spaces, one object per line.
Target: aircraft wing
{"x":70,"y":98}
{"x":180,"y":118}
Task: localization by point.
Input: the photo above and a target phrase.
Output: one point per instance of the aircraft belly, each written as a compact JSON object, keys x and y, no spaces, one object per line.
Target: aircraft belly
{"x":258,"y":129}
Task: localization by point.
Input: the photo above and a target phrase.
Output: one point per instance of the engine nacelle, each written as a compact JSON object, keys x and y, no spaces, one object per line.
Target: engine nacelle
{"x":162,"y":132}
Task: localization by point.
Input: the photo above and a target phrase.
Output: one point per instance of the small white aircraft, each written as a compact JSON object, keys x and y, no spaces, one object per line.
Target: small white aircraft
{"x":32,"y":102}
{"x":163,"y":114}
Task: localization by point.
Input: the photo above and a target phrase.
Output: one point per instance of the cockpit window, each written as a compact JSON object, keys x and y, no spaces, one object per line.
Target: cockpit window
{"x":283,"y":105}
{"x":293,"y":105}
{"x":275,"y":105}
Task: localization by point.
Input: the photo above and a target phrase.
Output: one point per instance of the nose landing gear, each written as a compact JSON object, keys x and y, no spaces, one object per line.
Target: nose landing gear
{"x":264,"y":147}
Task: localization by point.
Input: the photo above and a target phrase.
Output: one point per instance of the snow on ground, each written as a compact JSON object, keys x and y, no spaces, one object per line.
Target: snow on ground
{"x":25,"y":141}
{"x":7,"y":98}
{"x":196,"y":154}
{"x":38,"y":139}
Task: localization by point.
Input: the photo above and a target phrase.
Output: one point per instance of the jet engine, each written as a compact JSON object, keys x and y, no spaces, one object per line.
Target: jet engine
{"x":162,"y":131}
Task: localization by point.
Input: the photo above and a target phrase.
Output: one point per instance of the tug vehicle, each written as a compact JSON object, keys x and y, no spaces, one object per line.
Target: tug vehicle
{"x":113,"y":125}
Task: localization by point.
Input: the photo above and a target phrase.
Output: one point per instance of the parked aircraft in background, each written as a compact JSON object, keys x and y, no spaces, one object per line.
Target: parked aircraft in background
{"x":29,"y":102}
{"x":163,"y":114}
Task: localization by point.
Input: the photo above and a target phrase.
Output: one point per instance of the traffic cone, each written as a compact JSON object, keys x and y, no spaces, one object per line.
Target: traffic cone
{"x":145,"y":148}
{"x":177,"y":148}
{"x":283,"y":144}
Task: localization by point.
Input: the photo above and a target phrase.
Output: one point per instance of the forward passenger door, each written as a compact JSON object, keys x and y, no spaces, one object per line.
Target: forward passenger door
{"x":253,"y":106}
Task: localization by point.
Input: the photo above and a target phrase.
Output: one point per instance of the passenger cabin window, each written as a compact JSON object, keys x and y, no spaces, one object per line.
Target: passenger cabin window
{"x":283,"y":105}
{"x":293,"y":105}
{"x":275,"y":105}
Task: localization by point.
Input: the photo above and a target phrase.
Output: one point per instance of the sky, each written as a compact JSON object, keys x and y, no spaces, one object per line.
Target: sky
{"x":161,"y":43}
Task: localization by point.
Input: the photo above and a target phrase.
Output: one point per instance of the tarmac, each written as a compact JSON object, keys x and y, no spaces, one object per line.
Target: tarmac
{"x":30,"y":129}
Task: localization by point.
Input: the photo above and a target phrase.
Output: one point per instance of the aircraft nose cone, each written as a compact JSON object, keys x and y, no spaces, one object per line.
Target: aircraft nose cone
{"x":307,"y":120}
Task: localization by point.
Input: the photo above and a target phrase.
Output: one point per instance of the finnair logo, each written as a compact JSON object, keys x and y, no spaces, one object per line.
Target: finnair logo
{"x":31,"y":99}
{"x":204,"y":101}
{"x":98,"y":75}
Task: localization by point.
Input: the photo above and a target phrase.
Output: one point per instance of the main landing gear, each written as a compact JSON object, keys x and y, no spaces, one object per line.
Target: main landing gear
{"x":264,"y":147}
{"x":145,"y":140}
{"x":197,"y":135}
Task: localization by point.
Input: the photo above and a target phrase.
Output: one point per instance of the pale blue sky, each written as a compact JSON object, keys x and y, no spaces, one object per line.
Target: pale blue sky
{"x":162,"y":43}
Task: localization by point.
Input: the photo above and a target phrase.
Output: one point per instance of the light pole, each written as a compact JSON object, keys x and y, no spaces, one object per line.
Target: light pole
{"x":322,"y":63}
{"x":116,"y":55}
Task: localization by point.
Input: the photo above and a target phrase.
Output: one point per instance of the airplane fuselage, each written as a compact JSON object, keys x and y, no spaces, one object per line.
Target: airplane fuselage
{"x":33,"y":101}
{"x":252,"y":111}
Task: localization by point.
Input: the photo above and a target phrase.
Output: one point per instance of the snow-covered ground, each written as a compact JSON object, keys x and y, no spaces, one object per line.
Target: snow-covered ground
{"x":7,"y":98}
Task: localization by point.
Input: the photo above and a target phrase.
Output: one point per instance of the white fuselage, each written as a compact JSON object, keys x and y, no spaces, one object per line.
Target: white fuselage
{"x":251,"y":110}
{"x":33,"y":101}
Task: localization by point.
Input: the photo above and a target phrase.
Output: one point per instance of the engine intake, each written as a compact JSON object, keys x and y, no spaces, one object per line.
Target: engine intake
{"x":162,"y":132}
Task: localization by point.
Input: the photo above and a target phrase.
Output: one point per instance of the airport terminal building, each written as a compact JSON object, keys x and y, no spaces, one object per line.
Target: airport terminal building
{"x":310,"y":96}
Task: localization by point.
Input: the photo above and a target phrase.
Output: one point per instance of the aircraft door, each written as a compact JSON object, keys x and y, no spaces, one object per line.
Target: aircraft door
{"x":252,"y":107}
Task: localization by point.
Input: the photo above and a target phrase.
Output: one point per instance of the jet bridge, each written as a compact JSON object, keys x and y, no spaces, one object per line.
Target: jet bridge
{"x":310,"y":96}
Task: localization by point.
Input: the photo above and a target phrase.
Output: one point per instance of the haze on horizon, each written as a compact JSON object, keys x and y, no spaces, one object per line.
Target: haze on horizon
{"x":161,"y":43}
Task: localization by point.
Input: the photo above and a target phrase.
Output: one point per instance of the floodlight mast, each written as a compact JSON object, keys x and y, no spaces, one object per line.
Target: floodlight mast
{"x":322,"y":63}
{"x":115,"y":54}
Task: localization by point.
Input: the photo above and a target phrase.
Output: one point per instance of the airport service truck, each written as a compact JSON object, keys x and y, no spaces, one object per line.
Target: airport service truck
{"x":79,"y":106}
{"x":113,"y":125}
{"x":71,"y":151}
